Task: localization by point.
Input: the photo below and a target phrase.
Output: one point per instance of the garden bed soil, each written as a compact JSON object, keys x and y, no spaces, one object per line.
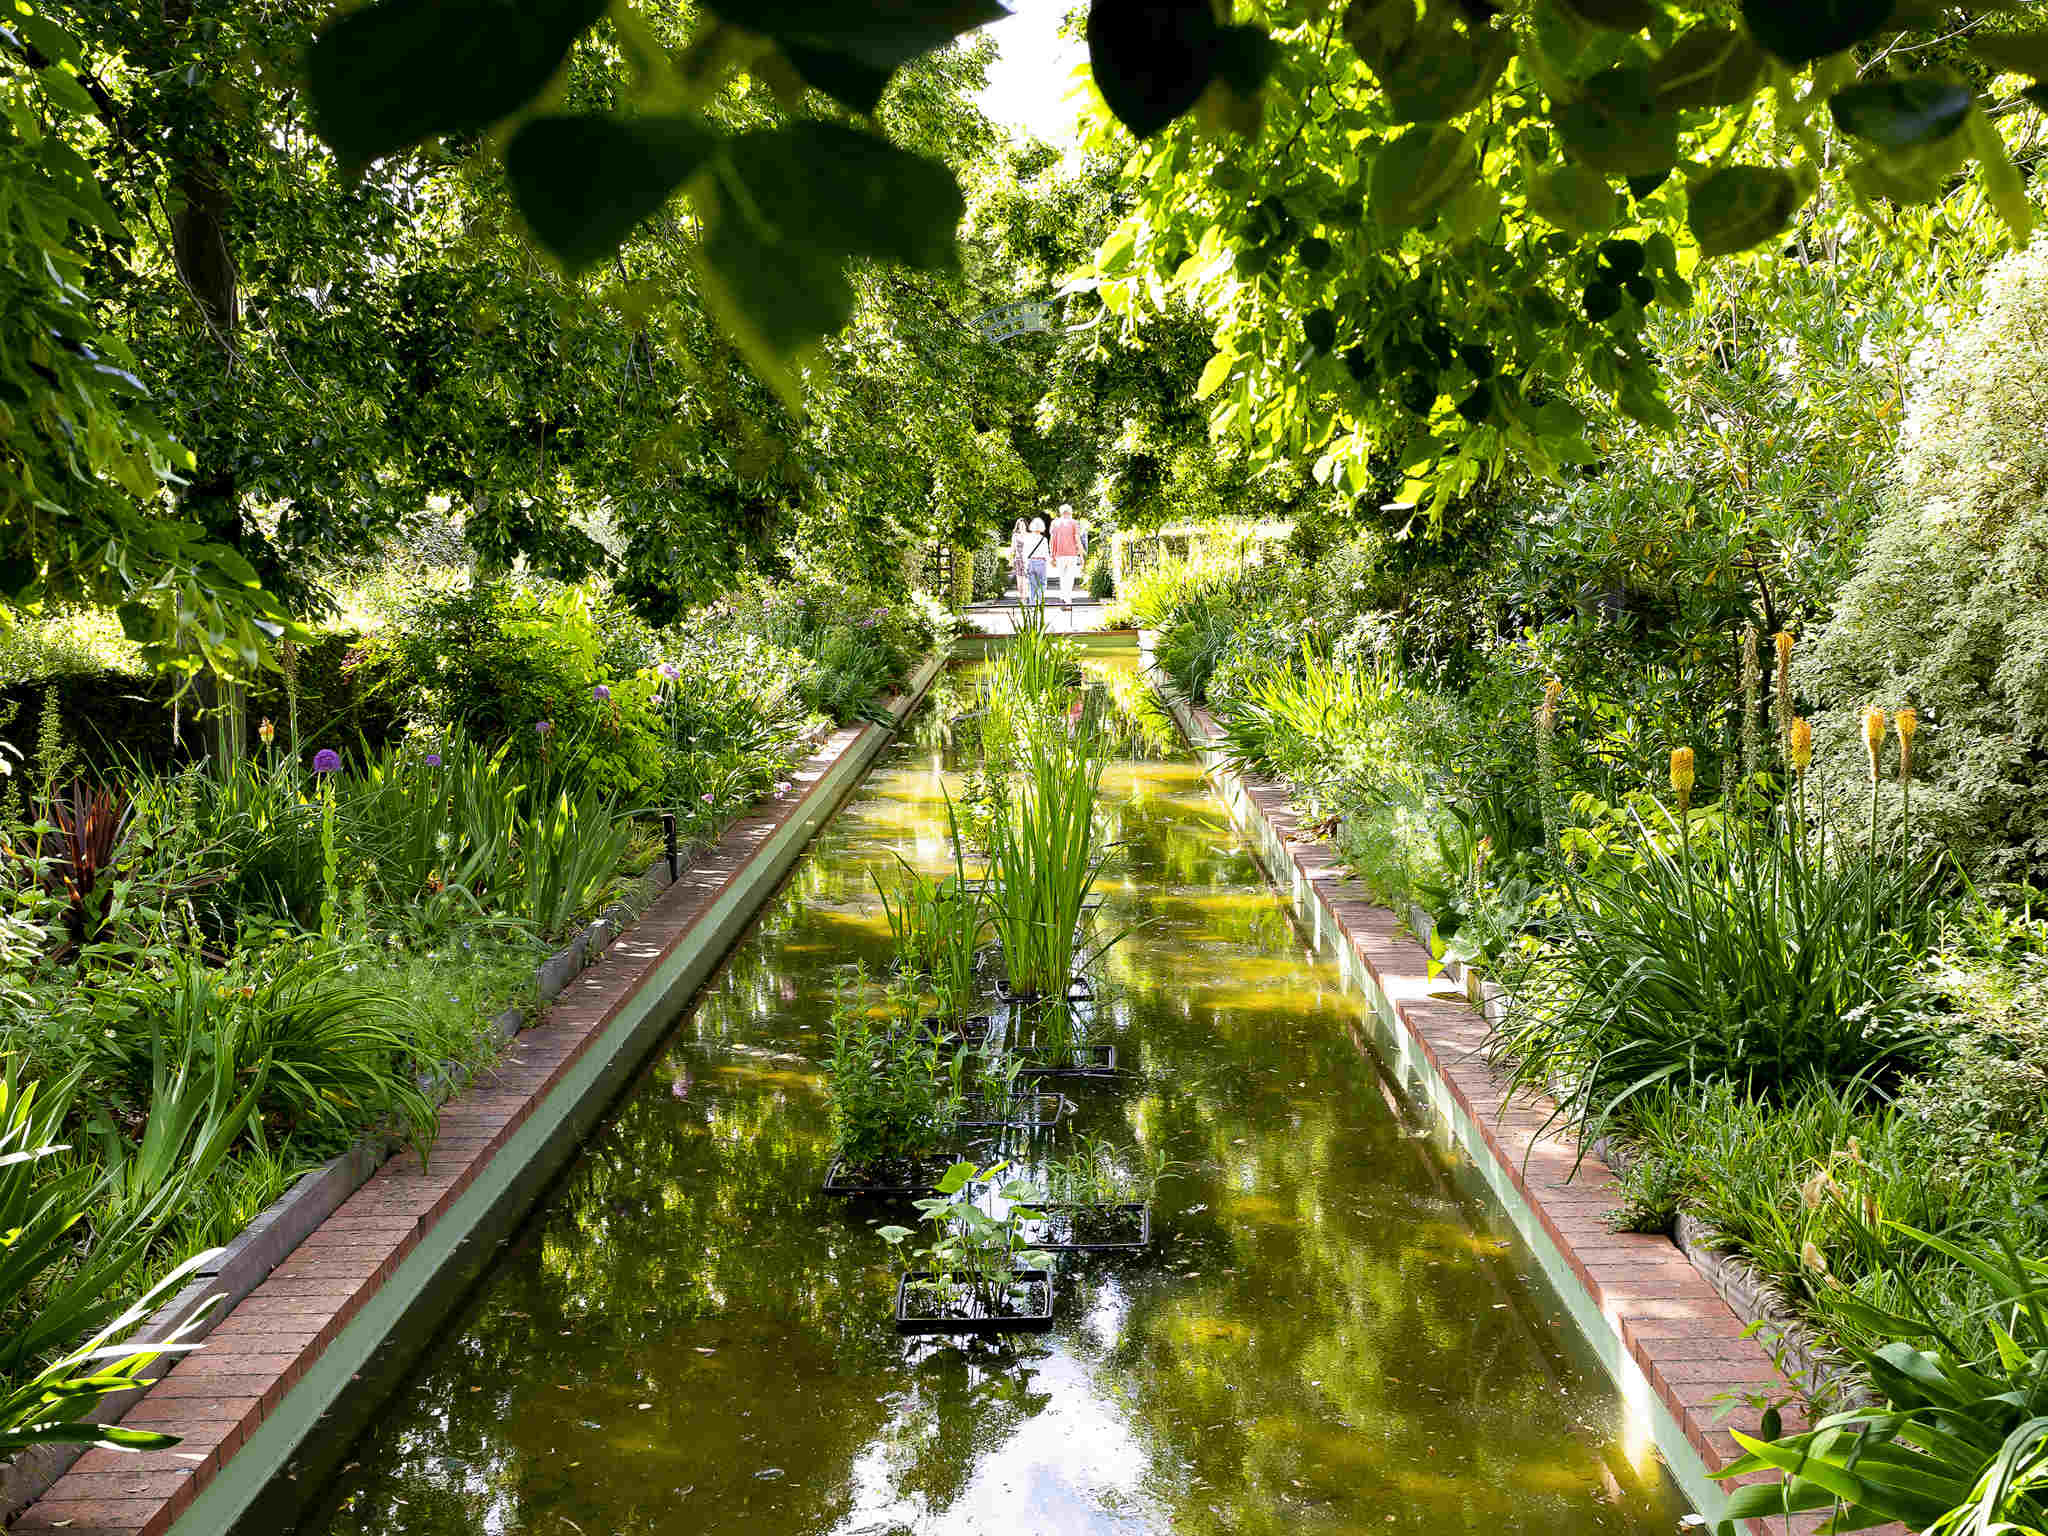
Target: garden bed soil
{"x":1025,"y":1306}
{"x":1091,"y":1227}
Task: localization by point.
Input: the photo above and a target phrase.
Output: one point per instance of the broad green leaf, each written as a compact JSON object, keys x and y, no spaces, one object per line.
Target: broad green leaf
{"x":1919,"y":175}
{"x":881,"y":35}
{"x":1800,"y":31}
{"x":1438,"y":68}
{"x":853,"y":82}
{"x":1116,"y":251}
{"x":1474,"y":210}
{"x":1709,"y":66}
{"x":1151,"y":61}
{"x":2020,"y":53}
{"x":1244,"y":57}
{"x":1214,"y":374}
{"x":850,"y":52}
{"x":400,"y":71}
{"x":1415,"y":173}
{"x":1740,"y":206}
{"x":2002,"y":178}
{"x":1574,"y":198}
{"x":584,"y":183}
{"x":65,"y":91}
{"x":957,"y":1178}
{"x":1618,"y":127}
{"x":1901,"y":114}
{"x":850,"y":193}
{"x":789,"y":207}
{"x":1379,"y":28}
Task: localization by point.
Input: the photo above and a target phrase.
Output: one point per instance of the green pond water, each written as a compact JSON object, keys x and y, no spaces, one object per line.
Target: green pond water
{"x":1330,"y":1332}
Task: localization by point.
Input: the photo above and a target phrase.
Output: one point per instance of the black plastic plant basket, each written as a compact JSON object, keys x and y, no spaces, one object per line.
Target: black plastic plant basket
{"x":972,"y":1318}
{"x":1013,"y":1112}
{"x":1079,"y":990}
{"x":1075,"y":1060}
{"x":898,"y":1176}
{"x":1091,"y":1228}
{"x":957,"y":1034}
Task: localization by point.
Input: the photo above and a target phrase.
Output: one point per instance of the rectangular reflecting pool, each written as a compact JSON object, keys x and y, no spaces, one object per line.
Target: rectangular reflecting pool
{"x":1330,"y":1332}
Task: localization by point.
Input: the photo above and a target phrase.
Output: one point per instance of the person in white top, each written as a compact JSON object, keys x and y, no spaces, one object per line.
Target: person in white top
{"x":1069,"y":548}
{"x":1036,"y":553}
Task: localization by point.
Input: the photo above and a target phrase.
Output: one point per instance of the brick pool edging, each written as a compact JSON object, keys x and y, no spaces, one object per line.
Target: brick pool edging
{"x":1662,"y":1329}
{"x":285,"y":1354}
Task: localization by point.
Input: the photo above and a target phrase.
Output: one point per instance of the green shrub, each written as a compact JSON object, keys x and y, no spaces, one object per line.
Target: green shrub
{"x":553,"y":674}
{"x":1958,"y":1445}
{"x":1945,"y":609}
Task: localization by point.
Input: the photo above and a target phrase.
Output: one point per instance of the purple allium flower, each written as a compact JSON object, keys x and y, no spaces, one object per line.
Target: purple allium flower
{"x":601,"y":694}
{"x":433,"y":759}
{"x":542,"y":727}
{"x":668,"y":670}
{"x":327,"y":760}
{"x":708,"y":800}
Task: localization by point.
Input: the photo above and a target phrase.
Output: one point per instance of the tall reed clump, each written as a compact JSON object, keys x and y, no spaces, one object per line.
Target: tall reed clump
{"x":1045,"y":853}
{"x":1760,"y":953}
{"x":937,"y":926}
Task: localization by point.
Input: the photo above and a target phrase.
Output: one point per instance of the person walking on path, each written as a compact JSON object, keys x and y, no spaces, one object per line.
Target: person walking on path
{"x":1017,"y":536}
{"x":1036,"y":553}
{"x":1069,"y":546}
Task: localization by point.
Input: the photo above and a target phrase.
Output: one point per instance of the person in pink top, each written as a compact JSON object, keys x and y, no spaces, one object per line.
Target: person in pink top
{"x":1069,"y":547}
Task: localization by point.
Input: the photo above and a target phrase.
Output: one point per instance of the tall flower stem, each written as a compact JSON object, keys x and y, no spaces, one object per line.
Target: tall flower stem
{"x":330,"y":864}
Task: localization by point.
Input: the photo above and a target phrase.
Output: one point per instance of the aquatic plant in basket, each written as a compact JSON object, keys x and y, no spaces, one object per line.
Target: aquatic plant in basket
{"x":896,"y":1098}
{"x":937,"y":926}
{"x":1046,"y":854}
{"x":976,"y":1274}
{"x":1093,"y":1199}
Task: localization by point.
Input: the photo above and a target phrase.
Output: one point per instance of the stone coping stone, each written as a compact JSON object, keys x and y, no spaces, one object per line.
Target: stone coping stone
{"x":308,"y":1263}
{"x":1670,"y":1322}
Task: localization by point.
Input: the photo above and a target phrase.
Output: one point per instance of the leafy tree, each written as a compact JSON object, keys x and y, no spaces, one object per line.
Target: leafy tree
{"x":1451,"y":224}
{"x":82,"y":456}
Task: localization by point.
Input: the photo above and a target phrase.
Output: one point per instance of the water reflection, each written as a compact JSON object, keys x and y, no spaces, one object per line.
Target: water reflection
{"x":1325,"y":1335}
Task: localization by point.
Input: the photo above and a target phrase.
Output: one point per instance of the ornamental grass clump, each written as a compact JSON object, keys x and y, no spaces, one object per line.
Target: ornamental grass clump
{"x":1762,"y":954}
